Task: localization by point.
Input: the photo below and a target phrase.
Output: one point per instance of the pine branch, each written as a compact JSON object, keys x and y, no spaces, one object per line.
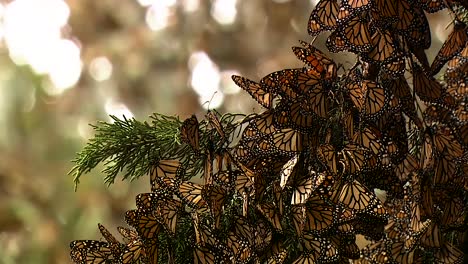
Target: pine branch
{"x":134,"y":147}
{"x":130,"y":146}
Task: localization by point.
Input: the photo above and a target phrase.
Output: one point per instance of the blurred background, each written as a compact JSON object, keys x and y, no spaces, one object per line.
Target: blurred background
{"x":67,"y":64}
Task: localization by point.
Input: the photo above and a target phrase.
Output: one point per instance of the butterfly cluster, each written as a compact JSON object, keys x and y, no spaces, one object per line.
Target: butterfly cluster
{"x":298,"y":183}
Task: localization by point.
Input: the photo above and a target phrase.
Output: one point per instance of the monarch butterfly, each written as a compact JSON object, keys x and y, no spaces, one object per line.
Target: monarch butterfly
{"x":375,"y":98}
{"x":426,"y":87}
{"x":449,"y":254}
{"x":384,"y":12}
{"x":148,"y":202}
{"x":151,"y":248}
{"x":287,"y":140}
{"x":328,"y":156}
{"x":128,"y":234}
{"x":369,"y":138}
{"x":325,"y":13}
{"x":432,"y":6}
{"x":384,"y":48}
{"x":278,"y":196}
{"x":418,"y":34}
{"x":165,"y":175}
{"x":316,"y":60}
{"x":355,"y":158}
{"x":319,"y":216}
{"x":369,"y":97}
{"x":303,"y":188}
{"x":400,"y":88}
{"x":191,"y":193}
{"x":263,"y":237}
{"x":264,"y":122}
{"x":297,"y":118}
{"x":278,"y":257}
{"x":314,"y":28}
{"x":283,"y":83}
{"x":405,"y":15}
{"x":240,"y":248}
{"x":244,"y":181}
{"x":190,"y":134}
{"x":307,"y":79}
{"x":243,"y":152}
{"x":356,"y":34}
{"x":456,"y":67}
{"x":426,"y":156}
{"x":336,"y":42}
{"x":463,"y":134}
{"x":318,"y":101}
{"x":445,"y":142}
{"x":445,"y":170}
{"x":347,"y":247}
{"x":282,"y":116}
{"x":134,"y":252}
{"x":298,"y":218}
{"x":461,"y":113}
{"x":215,"y":197}
{"x":356,"y":5}
{"x":251,"y":132}
{"x":409,"y":165}
{"x":453,"y":214}
{"x":287,"y":170}
{"x":264,"y":98}
{"x":347,"y":120}
{"x":147,"y":226}
{"x":216,"y":123}
{"x":206,"y":238}
{"x":355,"y":196}
{"x":114,"y":244}
{"x":203,"y":255}
{"x":319,"y":250}
{"x":243,"y":229}
{"x":400,"y":255}
{"x":455,"y":42}
{"x":167,"y":214}
{"x":270,"y":212}
{"x":90,"y":252}
{"x":417,"y":229}
{"x":226,"y":178}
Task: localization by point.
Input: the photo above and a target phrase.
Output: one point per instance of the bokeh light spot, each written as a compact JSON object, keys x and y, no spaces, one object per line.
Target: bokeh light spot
{"x":117,"y":109}
{"x":190,"y":5}
{"x":100,"y":68}
{"x":224,"y":11}
{"x":66,"y":65}
{"x":158,"y":16}
{"x":205,"y":79}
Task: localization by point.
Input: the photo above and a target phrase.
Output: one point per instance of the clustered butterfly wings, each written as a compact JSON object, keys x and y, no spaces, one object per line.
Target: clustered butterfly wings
{"x":308,"y":169}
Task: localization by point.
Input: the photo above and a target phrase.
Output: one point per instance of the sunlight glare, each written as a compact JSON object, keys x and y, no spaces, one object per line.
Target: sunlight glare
{"x":65,"y":66}
{"x":224,"y":11}
{"x":205,"y":79}
{"x":158,"y":15}
{"x":167,"y":3}
{"x":190,"y":5}
{"x":117,"y":109}
{"x":100,"y":68}
{"x":33,"y":36}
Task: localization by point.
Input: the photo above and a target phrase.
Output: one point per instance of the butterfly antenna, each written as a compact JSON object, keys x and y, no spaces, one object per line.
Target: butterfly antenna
{"x":209,"y":102}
